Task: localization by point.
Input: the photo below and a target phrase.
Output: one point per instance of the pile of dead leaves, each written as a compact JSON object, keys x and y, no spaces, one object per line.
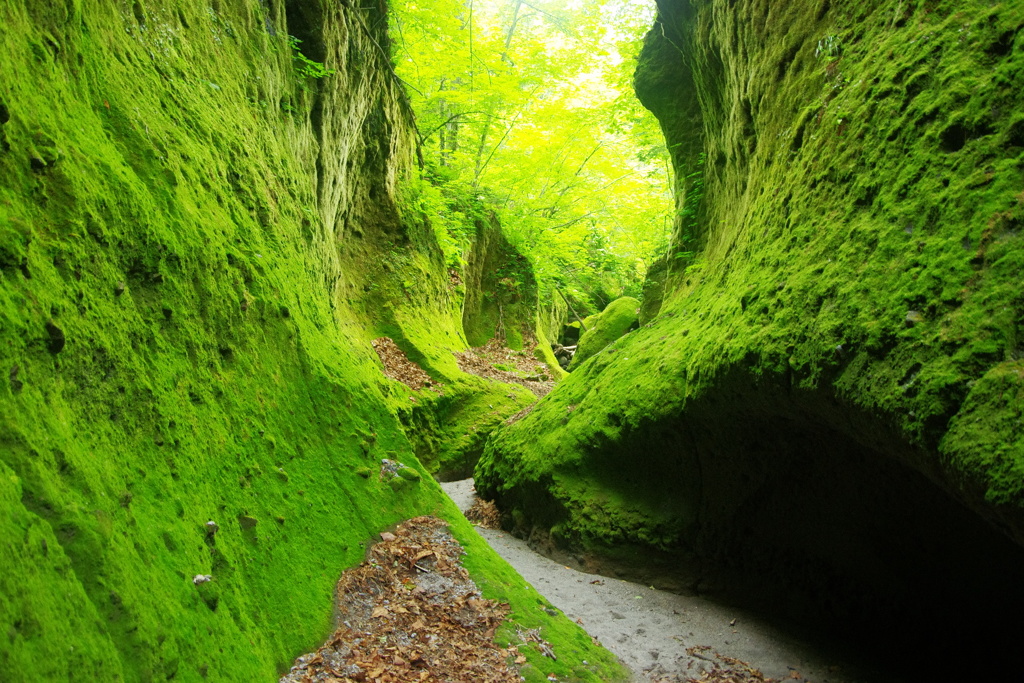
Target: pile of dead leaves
{"x":409,"y":613}
{"x":529,"y":372}
{"x":725,"y":669}
{"x":484,"y":513}
{"x":397,"y":365}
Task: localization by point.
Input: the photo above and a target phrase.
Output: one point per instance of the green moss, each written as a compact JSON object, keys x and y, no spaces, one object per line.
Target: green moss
{"x":449,"y":428}
{"x":542,"y":351}
{"x":501,"y":290}
{"x":409,"y":474}
{"x":653,"y":290}
{"x":579,"y":659}
{"x":614,"y":321}
{"x":859,"y":254}
{"x":984,"y":441}
{"x":46,"y":610}
{"x":184,"y":323}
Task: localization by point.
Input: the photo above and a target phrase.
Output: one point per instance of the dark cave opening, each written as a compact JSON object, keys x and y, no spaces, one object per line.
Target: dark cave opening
{"x":825,"y":529}
{"x":819,"y":518}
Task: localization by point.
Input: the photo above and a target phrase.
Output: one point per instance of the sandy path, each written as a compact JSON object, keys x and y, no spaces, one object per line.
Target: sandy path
{"x":650,"y":629}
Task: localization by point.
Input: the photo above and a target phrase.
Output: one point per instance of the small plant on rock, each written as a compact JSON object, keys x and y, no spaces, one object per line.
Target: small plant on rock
{"x":829,"y":46}
{"x":306,"y":67}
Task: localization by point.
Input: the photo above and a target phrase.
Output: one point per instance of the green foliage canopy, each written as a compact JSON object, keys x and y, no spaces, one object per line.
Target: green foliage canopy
{"x":530,"y":106}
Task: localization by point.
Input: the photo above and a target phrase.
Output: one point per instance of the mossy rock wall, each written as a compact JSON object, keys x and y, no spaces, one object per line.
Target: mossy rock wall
{"x":172,"y":340}
{"x":399,"y":282}
{"x":448,"y":429}
{"x":615,"y":320}
{"x":501,"y":290}
{"x":186,"y":223}
{"x":653,"y":290}
{"x":848,"y":327}
{"x":552,"y":315}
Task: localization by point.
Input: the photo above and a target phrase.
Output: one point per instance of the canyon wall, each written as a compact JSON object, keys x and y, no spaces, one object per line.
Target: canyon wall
{"x":824,"y":411}
{"x":207,"y":212}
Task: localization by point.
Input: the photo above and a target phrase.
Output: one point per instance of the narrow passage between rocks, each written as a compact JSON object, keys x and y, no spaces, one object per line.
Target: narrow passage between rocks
{"x":664,"y":637}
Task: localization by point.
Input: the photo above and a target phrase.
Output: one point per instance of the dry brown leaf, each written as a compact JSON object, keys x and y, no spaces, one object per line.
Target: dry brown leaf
{"x":484,"y":513}
{"x":481,"y":360}
{"x":397,"y":365}
{"x":443,"y":617}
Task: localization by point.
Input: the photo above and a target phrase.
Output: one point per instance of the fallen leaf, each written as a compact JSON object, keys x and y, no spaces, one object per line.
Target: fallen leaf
{"x":450,"y":638}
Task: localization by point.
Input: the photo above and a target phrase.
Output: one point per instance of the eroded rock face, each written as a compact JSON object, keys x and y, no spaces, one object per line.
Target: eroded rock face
{"x":833,"y":384}
{"x":180,"y":212}
{"x":501,"y":290}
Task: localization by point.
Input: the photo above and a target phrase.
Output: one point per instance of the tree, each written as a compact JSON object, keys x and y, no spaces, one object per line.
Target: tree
{"x":530,"y":103}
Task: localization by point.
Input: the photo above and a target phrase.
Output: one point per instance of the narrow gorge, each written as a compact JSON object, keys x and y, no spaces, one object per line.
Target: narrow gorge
{"x":247,"y":324}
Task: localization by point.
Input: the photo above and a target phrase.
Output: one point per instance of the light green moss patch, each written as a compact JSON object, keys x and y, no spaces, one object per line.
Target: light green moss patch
{"x":614,"y":321}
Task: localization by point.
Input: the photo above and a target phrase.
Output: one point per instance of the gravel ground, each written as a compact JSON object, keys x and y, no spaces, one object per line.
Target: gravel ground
{"x":651,"y":630}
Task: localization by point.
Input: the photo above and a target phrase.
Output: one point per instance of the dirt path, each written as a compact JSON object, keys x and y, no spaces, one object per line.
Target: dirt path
{"x":652,"y":630}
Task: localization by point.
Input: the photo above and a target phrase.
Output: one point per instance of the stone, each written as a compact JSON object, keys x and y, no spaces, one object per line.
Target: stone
{"x":247,"y":522}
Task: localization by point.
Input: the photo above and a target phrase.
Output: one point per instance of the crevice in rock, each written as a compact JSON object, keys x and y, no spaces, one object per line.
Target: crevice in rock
{"x":305,"y":22}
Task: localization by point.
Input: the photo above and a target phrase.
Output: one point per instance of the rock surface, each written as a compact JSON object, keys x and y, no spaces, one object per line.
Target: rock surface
{"x":826,"y":407}
{"x":200,"y":236}
{"x":618,"y":318}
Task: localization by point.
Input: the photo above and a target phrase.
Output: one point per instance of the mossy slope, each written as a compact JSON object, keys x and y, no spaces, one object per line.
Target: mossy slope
{"x":448,"y":429}
{"x":185,"y":226}
{"x":403,"y":289}
{"x":850,"y":182}
{"x":614,"y":321}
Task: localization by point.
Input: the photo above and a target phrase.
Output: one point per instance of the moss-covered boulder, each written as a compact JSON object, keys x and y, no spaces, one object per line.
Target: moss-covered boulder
{"x":448,"y":428}
{"x":830,"y":395}
{"x":618,"y":318}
